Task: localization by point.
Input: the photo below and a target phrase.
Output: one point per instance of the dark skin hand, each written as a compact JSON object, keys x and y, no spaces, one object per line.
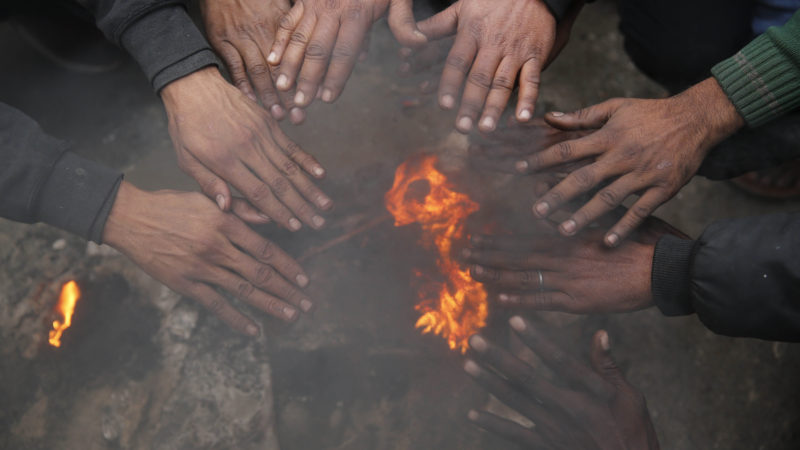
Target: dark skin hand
{"x":222,"y":137}
{"x":242,"y":33}
{"x":596,"y":409}
{"x":183,"y":240}
{"x":319,"y":41}
{"x":575,"y":271}
{"x":497,"y":43}
{"x":651,"y":147}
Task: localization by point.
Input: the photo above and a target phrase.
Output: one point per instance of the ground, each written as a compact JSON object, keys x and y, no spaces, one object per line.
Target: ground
{"x":143,"y":368}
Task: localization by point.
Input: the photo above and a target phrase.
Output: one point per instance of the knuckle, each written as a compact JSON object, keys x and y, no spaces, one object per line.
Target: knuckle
{"x":352,"y":15}
{"x":289,"y":168}
{"x":564,"y":150}
{"x":498,"y":39}
{"x":609,"y":197}
{"x":458,"y":63}
{"x":291,"y":149}
{"x":266,"y":251}
{"x":503,"y":82}
{"x":316,"y":51}
{"x":584,"y":179}
{"x":555,"y":197}
{"x":475,"y":29}
{"x":285,"y":23}
{"x":343,"y":51}
{"x":244,"y":290}
{"x":280,"y":185}
{"x":260,"y":193}
{"x":259,"y":70}
{"x":216,"y":306}
{"x":264,"y":274}
{"x":298,"y":37}
{"x":331,"y":4}
{"x":481,"y":79}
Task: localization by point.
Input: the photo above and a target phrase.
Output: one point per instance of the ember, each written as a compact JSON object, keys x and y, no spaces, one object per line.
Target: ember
{"x":456,"y":308}
{"x":66,"y":306}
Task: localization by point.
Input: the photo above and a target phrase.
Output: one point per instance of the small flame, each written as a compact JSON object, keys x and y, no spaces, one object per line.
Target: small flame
{"x":66,"y":306}
{"x":456,"y":308}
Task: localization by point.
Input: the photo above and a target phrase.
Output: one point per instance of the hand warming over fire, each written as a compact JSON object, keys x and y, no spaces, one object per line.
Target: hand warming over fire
{"x":183,"y":240}
{"x":222,"y":137}
{"x":242,"y":33}
{"x":550,"y":272}
{"x":585,"y":407}
{"x":652,"y":147}
{"x":497,"y":43}
{"x":318,"y":42}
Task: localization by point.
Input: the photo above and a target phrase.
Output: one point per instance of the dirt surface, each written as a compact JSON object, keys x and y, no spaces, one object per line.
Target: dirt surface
{"x":355,"y":375}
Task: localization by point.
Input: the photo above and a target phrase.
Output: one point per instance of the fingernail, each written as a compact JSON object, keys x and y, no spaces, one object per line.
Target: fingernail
{"x":466,"y":253}
{"x":318,"y":221}
{"x":252,"y":97}
{"x":405,"y":67}
{"x":503,"y":297}
{"x":252,"y":330}
{"x":294,"y":224}
{"x":471,"y":368}
{"x":488,"y":123}
{"x":612,"y":239}
{"x":464,"y":123}
{"x":472,"y":415}
{"x":556,"y":113}
{"x":447,"y":101}
{"x":327,"y":95}
{"x":302,"y":280}
{"x":221,"y":201}
{"x":478,"y":270}
{"x":306,"y":305}
{"x":322,"y":200}
{"x":521,"y":166}
{"x":289,"y":312}
{"x":405,"y":52}
{"x":568,"y":226}
{"x":264,"y":216}
{"x":318,"y":171}
{"x":517,"y":323}
{"x":272,"y":58}
{"x":604,"y":344}
{"x":300,"y":98}
{"x":282,"y":82}
{"x":542,"y":208}
{"x":297,"y":115}
{"x":419,"y":34}
{"x":478,"y":343}
{"x":277,"y":111}
{"x":525,"y":114}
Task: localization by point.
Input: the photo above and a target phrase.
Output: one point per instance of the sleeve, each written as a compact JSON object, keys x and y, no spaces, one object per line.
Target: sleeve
{"x":41,"y":181}
{"x":763,"y":79}
{"x":558,"y":7}
{"x":158,"y":34}
{"x":741,"y":277}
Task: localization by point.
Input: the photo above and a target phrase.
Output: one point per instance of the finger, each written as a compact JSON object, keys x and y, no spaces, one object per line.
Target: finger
{"x":236,"y":68}
{"x":315,"y":64}
{"x":529,"y":79}
{"x":213,"y":186}
{"x":219,"y":306}
{"x":504,"y":392}
{"x":542,"y":241}
{"x":562,"y":153}
{"x":298,"y":155}
{"x":562,"y":363}
{"x":286,"y":26}
{"x":519,"y":280}
{"x":456,"y":67}
{"x":244,"y":290}
{"x":349,"y":42}
{"x":512,"y":260}
{"x":297,"y":116}
{"x":440,"y":25}
{"x":538,"y":301}
{"x":267,"y":252}
{"x":605,"y":201}
{"x":587,"y":118}
{"x":477,"y":87}
{"x":602,"y":361}
{"x":267,"y":279}
{"x":260,"y":195}
{"x":295,"y":52}
{"x":507,"y":429}
{"x":245,"y":211}
{"x":403,"y":26}
{"x":576,"y":183}
{"x":362,"y":55}
{"x":638,"y":213}
{"x":500,"y":92}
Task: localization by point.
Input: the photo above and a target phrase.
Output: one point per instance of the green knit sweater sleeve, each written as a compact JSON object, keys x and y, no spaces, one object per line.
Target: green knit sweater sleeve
{"x":763,"y":79}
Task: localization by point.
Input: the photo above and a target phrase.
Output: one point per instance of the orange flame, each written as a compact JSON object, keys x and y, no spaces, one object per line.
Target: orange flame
{"x":456,"y":308}
{"x":66,"y":306}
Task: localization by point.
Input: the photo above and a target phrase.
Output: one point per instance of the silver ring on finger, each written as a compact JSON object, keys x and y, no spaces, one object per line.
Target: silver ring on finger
{"x":541,"y":280}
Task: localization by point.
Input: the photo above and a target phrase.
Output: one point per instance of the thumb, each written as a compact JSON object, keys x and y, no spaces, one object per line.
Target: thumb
{"x":403,"y":26}
{"x":602,"y":362}
{"x":591,"y":117}
{"x":213,"y":186}
{"x":443,"y":24}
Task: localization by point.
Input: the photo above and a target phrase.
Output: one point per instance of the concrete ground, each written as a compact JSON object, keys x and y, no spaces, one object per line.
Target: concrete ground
{"x":355,"y":375}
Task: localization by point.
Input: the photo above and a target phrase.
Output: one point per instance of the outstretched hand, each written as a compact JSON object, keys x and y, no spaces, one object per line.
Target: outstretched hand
{"x":595,"y":407}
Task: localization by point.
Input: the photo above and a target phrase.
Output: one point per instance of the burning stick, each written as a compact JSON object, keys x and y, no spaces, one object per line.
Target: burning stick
{"x":456,"y":308}
{"x":313,"y":251}
{"x":66,"y":307}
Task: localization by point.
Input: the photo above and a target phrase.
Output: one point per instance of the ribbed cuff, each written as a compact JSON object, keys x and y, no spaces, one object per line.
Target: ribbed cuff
{"x":670,"y":275}
{"x":558,"y":7}
{"x":760,"y":80}
{"x":167,"y":45}
{"x":77,"y":196}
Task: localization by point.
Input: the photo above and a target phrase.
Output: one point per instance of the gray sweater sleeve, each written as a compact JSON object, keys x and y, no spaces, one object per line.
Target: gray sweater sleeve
{"x":41,"y":181}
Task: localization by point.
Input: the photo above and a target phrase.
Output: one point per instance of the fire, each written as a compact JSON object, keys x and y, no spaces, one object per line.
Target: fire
{"x":456,"y":308}
{"x":66,"y":306}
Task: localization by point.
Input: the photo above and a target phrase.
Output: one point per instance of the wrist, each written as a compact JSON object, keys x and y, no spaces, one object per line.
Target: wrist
{"x":190,"y":85}
{"x":711,"y":107}
{"x":118,"y":224}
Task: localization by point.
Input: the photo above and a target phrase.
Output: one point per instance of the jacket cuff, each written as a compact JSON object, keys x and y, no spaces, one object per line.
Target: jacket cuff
{"x":558,"y":7}
{"x":167,"y":45}
{"x":78,"y":195}
{"x":670,"y":275}
{"x":762,"y":80}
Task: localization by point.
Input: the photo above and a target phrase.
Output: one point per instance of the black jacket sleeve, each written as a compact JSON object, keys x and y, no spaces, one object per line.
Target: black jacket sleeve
{"x":40,"y":181}
{"x":158,"y":34}
{"x":741,"y":277}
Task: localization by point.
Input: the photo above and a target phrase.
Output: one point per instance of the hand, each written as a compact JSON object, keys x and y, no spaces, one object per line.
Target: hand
{"x":223,"y":137}
{"x":496,"y":42}
{"x":574,"y":271}
{"x":325,"y":38}
{"x":242,"y":33}
{"x":649,"y":146}
{"x":596,"y":408}
{"x":183,"y":240}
